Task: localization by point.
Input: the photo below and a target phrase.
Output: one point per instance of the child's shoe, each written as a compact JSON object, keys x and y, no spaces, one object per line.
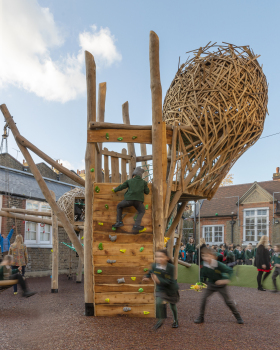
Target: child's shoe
{"x":138,"y":228}
{"x":274,"y":291}
{"x":200,"y":319}
{"x":118,"y":224}
{"x":175,"y":324}
{"x":239,"y":320}
{"x":28,"y":294}
{"x":15,"y":293}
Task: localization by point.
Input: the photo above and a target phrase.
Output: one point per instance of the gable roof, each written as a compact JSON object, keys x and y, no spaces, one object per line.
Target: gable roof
{"x":226,"y":198}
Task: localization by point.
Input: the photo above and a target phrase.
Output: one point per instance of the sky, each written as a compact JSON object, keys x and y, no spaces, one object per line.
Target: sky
{"x":42,"y":72}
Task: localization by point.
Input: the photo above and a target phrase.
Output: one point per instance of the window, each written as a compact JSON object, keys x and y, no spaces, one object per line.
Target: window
{"x":213,"y":234}
{"x":36,"y":234}
{"x":255,"y":224}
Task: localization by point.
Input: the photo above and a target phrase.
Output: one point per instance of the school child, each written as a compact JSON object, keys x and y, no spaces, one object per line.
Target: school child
{"x":134,"y":197}
{"x":230,"y":257}
{"x":190,"y":250}
{"x":182,"y":252}
{"x":249,"y":255}
{"x":162,"y":273}
{"x":239,"y":256}
{"x":271,"y":251}
{"x":276,"y":263}
{"x":223,"y":251}
{"x":218,"y":275}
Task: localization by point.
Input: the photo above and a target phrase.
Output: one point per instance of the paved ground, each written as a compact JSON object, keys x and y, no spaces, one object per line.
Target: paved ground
{"x":56,"y":321}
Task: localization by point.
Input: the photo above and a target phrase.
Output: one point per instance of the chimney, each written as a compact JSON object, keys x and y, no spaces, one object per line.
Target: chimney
{"x":276,"y":176}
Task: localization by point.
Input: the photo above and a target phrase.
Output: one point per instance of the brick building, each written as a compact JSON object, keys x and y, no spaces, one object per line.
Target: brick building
{"x":242,"y":213}
{"x":19,"y":189}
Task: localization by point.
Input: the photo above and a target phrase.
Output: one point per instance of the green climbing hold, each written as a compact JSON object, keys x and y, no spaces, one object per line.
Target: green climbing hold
{"x":141,"y":249}
{"x":100,"y":246}
{"x":140,"y":290}
{"x":99,"y":271}
{"x":120,"y":138}
{"x":135,"y":217}
{"x":113,"y":228}
{"x":145,"y":270}
{"x":92,"y":170}
{"x":106,"y":206}
{"x":147,"y":206}
{"x":97,"y":189}
{"x":134,"y":137}
{"x":107,"y":136}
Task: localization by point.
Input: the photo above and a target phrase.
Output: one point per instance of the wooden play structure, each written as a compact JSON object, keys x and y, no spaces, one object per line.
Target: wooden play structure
{"x":213,"y":112}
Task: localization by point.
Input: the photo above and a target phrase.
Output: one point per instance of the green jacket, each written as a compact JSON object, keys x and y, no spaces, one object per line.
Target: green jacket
{"x":190,"y":248}
{"x":249,"y":254}
{"x":239,"y":255}
{"x":10,"y":272}
{"x":221,"y":272}
{"x":166,"y":277}
{"x":230,"y":256}
{"x":136,"y":189}
{"x":275,"y":259}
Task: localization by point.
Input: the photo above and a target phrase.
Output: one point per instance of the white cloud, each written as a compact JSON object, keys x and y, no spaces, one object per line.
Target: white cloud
{"x":67,"y":164}
{"x":28,"y":32}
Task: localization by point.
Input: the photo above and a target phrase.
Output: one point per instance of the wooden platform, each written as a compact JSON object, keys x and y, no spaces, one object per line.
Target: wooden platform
{"x":111,"y":297}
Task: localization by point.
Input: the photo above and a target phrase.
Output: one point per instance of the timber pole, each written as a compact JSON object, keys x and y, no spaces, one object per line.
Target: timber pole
{"x":156,"y":90}
{"x":27,"y":218}
{"x":54,"y":287}
{"x":44,"y":188}
{"x":90,"y":178}
{"x":176,"y":219}
{"x":177,"y":248}
{"x":130,"y":146}
{"x":80,"y":267}
{"x":100,"y":118}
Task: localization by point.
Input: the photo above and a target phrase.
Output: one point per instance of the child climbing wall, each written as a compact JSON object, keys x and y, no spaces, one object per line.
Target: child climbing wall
{"x":120,"y":258}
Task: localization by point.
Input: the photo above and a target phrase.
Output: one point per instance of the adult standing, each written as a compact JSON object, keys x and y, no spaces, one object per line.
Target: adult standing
{"x":190,"y":250}
{"x":262,"y":261}
{"x":5,"y":242}
{"x":18,"y":251}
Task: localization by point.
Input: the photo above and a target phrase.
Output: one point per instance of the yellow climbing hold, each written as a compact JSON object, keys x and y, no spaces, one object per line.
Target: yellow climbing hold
{"x":51,"y":250}
{"x":82,"y":237}
{"x":113,"y":190}
{"x":122,"y":250}
{"x":146,"y":312}
{"x":100,"y":223}
{"x":107,"y":300}
{"x":144,"y":229}
{"x":133,"y":278}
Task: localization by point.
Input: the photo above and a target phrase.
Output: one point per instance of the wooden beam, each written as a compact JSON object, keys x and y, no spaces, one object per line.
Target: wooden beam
{"x":177,"y":248}
{"x":184,"y":263}
{"x":115,"y":173}
{"x":24,"y":142}
{"x":97,"y":125}
{"x":145,"y":166}
{"x":100,"y":118}
{"x":106,"y":166}
{"x":89,"y":180}
{"x":27,"y":212}
{"x":144,"y":158}
{"x":123,"y":166}
{"x":138,"y":134}
{"x":156,"y":91}
{"x":176,"y":219}
{"x":28,"y":218}
{"x":116,"y":154}
{"x":44,"y":188}
{"x":80,"y":266}
{"x":55,"y":260}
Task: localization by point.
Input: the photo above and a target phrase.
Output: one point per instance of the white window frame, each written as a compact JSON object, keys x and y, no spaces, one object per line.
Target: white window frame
{"x":255,"y":225}
{"x":213,"y":242}
{"x":37,"y":243}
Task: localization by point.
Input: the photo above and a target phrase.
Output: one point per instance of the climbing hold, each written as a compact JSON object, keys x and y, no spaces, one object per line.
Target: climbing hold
{"x":82,"y":237}
{"x":107,"y":136}
{"x":134,"y":137}
{"x":107,"y":300}
{"x":135,"y":217}
{"x":113,"y":190}
{"x":111,"y":261}
{"x":125,"y":309}
{"x":99,"y":271}
{"x":114,"y":229}
{"x":121,"y":280}
{"x":100,"y":223}
{"x":133,"y":278}
{"x":141,"y":249}
{"x":216,"y":214}
{"x":145,"y":270}
{"x":112,"y":238}
{"x":122,"y":250}
{"x":147,"y":206}
{"x":51,"y":250}
{"x":50,"y":276}
{"x":97,"y":189}
{"x":92,"y":170}
{"x":120,"y":138}
{"x":146,"y":312}
{"x":106,"y":206}
{"x":140,"y":290}
{"x":144,"y":229}
{"x":100,"y":246}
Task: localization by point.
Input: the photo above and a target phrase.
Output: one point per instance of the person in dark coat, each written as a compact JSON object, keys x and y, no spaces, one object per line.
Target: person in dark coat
{"x":262,"y":262}
{"x":190,"y":250}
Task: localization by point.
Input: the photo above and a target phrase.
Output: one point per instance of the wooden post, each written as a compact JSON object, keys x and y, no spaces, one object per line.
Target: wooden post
{"x":176,"y":219}
{"x":156,"y":91}
{"x":106,"y":167}
{"x":144,"y":164}
{"x":28,"y":218}
{"x":115,"y":173}
{"x":170,"y":245}
{"x":130,"y":146}
{"x":44,"y":188}
{"x":80,"y":267}
{"x":90,"y":177}
{"x":177,"y":248}
{"x":123,"y":167}
{"x":100,"y":118}
{"x":54,"y":287}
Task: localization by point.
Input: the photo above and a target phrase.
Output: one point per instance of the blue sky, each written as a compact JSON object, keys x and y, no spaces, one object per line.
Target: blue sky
{"x":42,"y":71}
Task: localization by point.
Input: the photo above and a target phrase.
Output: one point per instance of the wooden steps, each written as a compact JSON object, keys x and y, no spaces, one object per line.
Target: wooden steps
{"x":132,"y":253}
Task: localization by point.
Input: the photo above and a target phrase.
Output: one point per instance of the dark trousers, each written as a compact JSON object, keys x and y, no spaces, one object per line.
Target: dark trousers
{"x":248,"y":262}
{"x":21,"y":281}
{"x":139,"y":206}
{"x":22,"y":273}
{"x":259,"y":278}
{"x":212,"y":288}
{"x":239,"y":262}
{"x":189,"y":258}
{"x":274,"y":275}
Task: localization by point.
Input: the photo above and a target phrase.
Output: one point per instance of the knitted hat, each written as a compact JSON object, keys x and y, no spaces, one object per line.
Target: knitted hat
{"x":138,"y":171}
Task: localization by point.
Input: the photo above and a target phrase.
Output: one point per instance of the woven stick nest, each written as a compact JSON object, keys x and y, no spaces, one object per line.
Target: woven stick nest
{"x":66,"y":202}
{"x":219,"y":100}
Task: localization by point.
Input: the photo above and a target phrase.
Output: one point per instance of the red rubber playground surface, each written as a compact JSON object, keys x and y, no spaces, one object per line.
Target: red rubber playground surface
{"x":56,"y":321}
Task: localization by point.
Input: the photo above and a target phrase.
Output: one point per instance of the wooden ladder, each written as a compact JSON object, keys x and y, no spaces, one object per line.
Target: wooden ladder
{"x":133,"y":254}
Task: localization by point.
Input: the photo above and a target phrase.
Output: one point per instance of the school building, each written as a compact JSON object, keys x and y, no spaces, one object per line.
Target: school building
{"x":241,"y":214}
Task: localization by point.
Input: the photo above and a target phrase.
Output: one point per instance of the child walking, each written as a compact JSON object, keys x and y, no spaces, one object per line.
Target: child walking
{"x":218,"y":275}
{"x":276,"y":263}
{"x":134,"y":197}
{"x":162,"y":273}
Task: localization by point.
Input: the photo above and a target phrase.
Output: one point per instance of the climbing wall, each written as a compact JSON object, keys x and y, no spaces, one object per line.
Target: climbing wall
{"x":119,"y":265}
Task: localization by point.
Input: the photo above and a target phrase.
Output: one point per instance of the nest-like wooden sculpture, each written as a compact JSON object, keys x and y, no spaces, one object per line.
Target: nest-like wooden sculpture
{"x":219,"y":100}
{"x":66,"y":202}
